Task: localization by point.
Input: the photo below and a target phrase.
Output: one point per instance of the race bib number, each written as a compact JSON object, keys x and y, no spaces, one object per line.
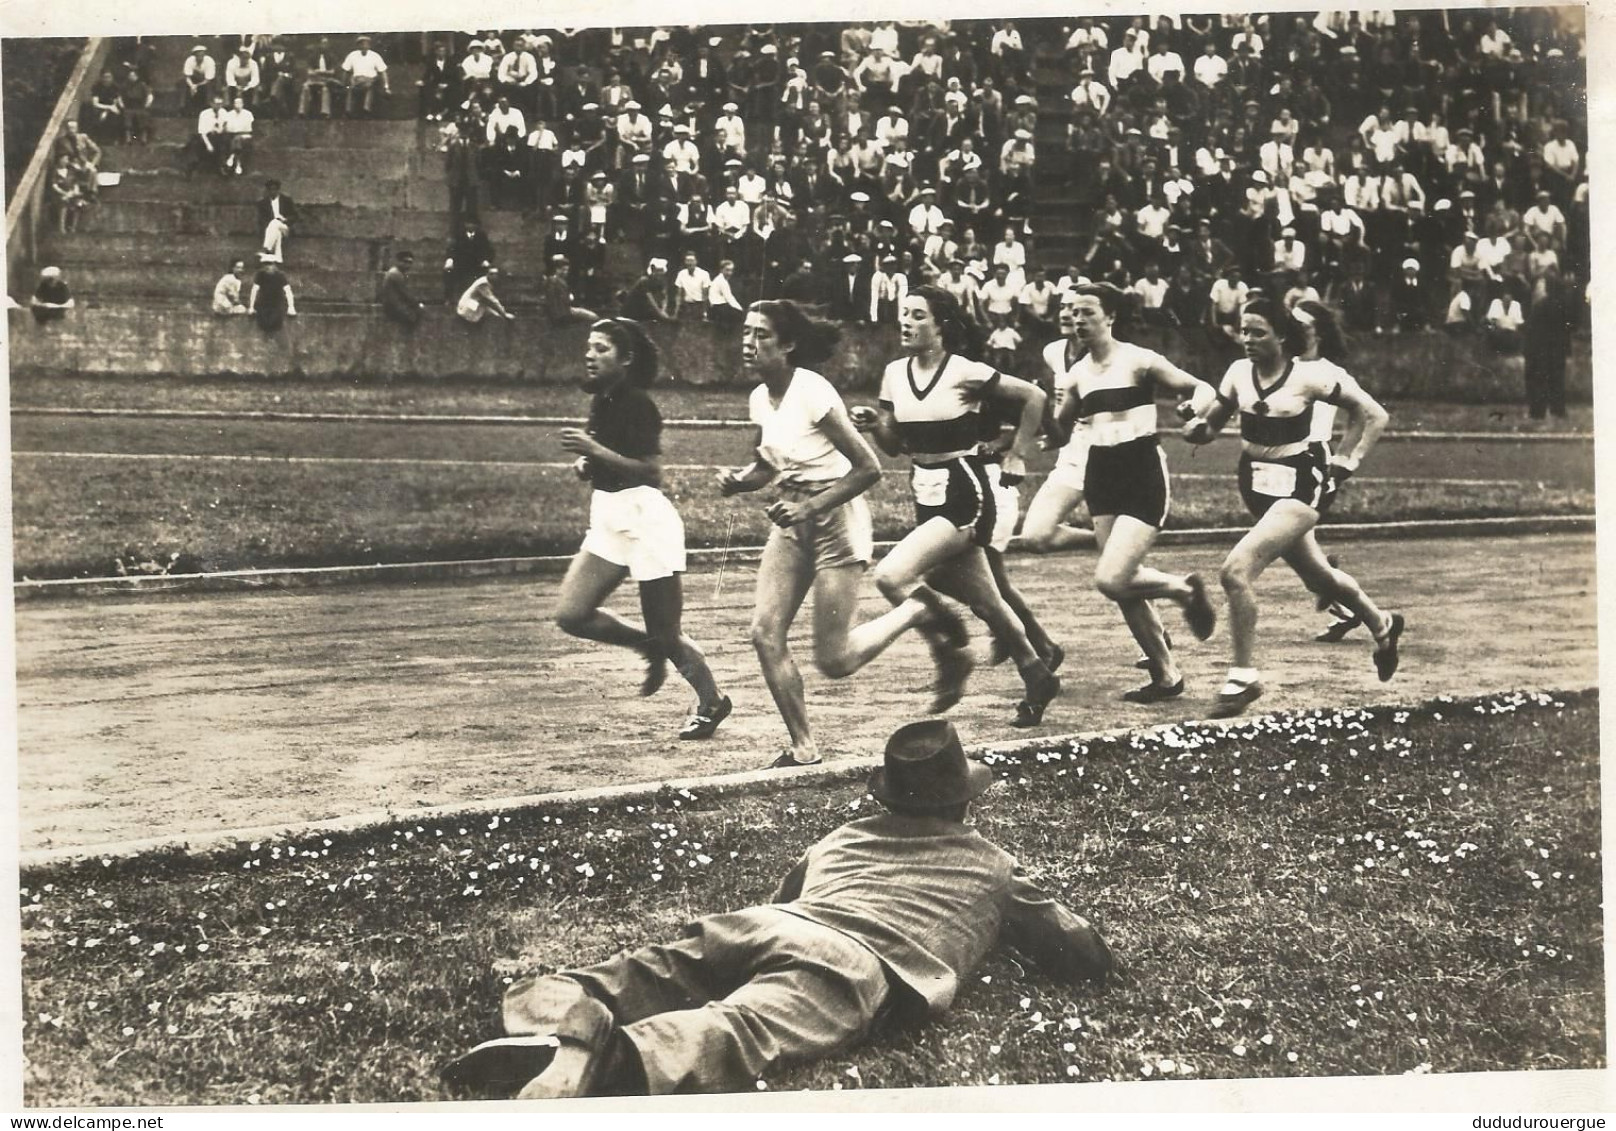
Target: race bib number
{"x":1276,"y":480}
{"x":931,"y":486}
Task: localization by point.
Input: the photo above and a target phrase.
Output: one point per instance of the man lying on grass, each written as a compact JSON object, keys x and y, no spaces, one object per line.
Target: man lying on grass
{"x":886,"y":915}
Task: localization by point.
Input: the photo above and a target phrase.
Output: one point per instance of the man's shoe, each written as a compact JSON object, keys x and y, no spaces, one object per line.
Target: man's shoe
{"x":584,"y":1033}
{"x":786,"y":762}
{"x":1386,"y":649}
{"x":953,"y":669}
{"x":498,"y":1069}
{"x":704,"y":721}
{"x":1154,"y":692}
{"x":1230,"y":703}
{"x":1030,"y":711}
{"x":1337,"y":629}
{"x":1198,"y":611}
{"x":656,"y":669}
{"x":943,"y":620}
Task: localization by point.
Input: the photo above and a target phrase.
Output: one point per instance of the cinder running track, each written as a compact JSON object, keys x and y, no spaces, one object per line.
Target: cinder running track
{"x":159,"y":716}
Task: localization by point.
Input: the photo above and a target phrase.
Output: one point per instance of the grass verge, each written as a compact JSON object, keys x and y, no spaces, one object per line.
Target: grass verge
{"x":224,"y":394}
{"x":1360,"y":892}
{"x":85,"y":518}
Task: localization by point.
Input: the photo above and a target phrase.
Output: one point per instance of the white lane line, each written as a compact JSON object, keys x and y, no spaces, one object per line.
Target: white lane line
{"x":548,"y":465}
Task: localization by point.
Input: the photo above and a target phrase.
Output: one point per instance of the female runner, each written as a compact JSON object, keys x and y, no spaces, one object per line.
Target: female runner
{"x":633,"y":529}
{"x":1288,"y":479}
{"x":1113,"y":401}
{"x":808,"y":448}
{"x":930,"y":406}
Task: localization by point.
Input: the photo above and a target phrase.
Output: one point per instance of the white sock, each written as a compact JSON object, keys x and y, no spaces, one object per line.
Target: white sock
{"x":1239,"y":679}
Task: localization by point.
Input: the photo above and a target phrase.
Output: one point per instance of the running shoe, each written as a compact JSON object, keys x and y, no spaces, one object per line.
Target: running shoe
{"x":1030,"y":711}
{"x":953,"y":669}
{"x":704,"y":721}
{"x":1231,"y":703}
{"x":1386,"y":649}
{"x":943,"y":620}
{"x":656,"y":669}
{"x":1198,"y":611}
{"x":786,"y":762}
{"x":1154,"y":692}
{"x":1338,"y":628}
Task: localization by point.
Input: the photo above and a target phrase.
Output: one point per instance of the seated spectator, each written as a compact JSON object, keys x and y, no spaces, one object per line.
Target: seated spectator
{"x":51,"y":299}
{"x":84,"y":157}
{"x":135,"y":100}
{"x":398,"y":303}
{"x":1152,"y":290}
{"x":278,"y":81}
{"x":1504,"y":319}
{"x":439,"y":84}
{"x":324,"y":75}
{"x":67,"y":196}
{"x":1461,"y":316}
{"x":559,"y":304}
{"x":227,"y":291}
{"x":242,"y":78}
{"x":103,"y":112}
{"x":277,"y":212}
{"x":198,"y":78}
{"x":469,"y":250}
{"x":722,"y":306}
{"x":210,"y":145}
{"x":270,"y":302}
{"x":647,"y":299}
{"x":1000,"y":297}
{"x":1545,"y":217}
{"x":364,"y":70}
{"x":479,"y":300}
{"x":1228,"y":294}
{"x":238,"y":132}
{"x":1038,"y":304}
{"x":1408,"y":299}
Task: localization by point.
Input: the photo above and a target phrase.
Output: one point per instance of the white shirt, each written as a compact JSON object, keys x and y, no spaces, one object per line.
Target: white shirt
{"x":1159,"y":64}
{"x":685,"y":156}
{"x":734,"y":130}
{"x":720,"y":294}
{"x":1210,"y":70}
{"x":926,"y":219}
{"x":999,"y":298}
{"x":692,"y":284}
{"x":1154,"y":293}
{"x":227,"y":294}
{"x":1291,"y":258}
{"x":1124,"y":62}
{"x":364,"y":64}
{"x":751,"y":188}
{"x":501,"y":120}
{"x":1092,"y":94}
{"x":1561,"y":156}
{"x":244,"y":76}
{"x":1151,"y":220}
{"x":518,"y":67}
{"x":792,"y":440}
{"x":238,"y":121}
{"x":732,"y":216}
{"x":211,"y":121}
{"x":476,"y":68}
{"x":1505,"y":317}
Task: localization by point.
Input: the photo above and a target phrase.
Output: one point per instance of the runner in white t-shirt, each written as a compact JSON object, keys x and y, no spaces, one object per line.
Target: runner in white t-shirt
{"x":821,"y":537}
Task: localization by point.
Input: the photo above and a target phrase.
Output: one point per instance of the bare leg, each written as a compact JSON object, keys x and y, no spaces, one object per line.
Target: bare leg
{"x":1277,"y":532}
{"x":1044,"y":530}
{"x":1124,"y":542}
{"x":662,"y":602}
{"x":968,"y":579}
{"x":783,"y":579}
{"x":1308,"y":560}
{"x":589,"y":581}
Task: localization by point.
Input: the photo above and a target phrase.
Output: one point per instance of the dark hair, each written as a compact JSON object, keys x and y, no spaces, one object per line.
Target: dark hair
{"x":1327,"y":325}
{"x":637,"y":351}
{"x":1110,"y":296}
{"x":959,"y":333}
{"x":1292,"y":336}
{"x":813,"y":340}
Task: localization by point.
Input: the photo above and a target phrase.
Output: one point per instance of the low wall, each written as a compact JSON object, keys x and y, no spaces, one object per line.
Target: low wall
{"x":364,"y":345}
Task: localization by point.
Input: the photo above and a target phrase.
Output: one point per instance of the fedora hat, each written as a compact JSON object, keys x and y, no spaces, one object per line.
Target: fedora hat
{"x":925,"y":768}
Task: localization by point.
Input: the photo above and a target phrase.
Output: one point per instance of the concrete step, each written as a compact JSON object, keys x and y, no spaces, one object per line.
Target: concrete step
{"x":291,"y":166}
{"x":116,"y":216}
{"x":294,"y":133}
{"x":334,"y":253}
{"x":346,"y":187}
{"x":132,"y":286}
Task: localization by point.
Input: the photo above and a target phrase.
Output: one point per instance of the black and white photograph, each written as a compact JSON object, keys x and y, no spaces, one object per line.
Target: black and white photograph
{"x":954,"y":548}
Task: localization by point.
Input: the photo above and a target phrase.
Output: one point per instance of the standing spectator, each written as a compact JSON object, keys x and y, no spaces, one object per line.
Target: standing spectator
{"x":242,"y":78}
{"x":690,"y":287}
{"x":52,"y":299}
{"x":888,"y":288}
{"x":321,"y":77}
{"x":276,"y":214}
{"x":460,"y":157}
{"x":478,"y":299}
{"x":270,"y":301}
{"x":364,"y":69}
{"x":469,"y":251}
{"x":1152,"y":290}
{"x":1038,"y":303}
{"x":198,"y":77}
{"x":1000,"y":297}
{"x":1228,"y":294}
{"x":398,"y":304}
{"x":1003,"y":341}
{"x":723,"y":308}
{"x":227,"y":291}
{"x":1547,"y":342}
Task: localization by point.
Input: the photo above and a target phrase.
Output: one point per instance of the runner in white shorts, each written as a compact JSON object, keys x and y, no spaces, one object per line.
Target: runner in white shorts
{"x":634,"y":531}
{"x":808,"y":450}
